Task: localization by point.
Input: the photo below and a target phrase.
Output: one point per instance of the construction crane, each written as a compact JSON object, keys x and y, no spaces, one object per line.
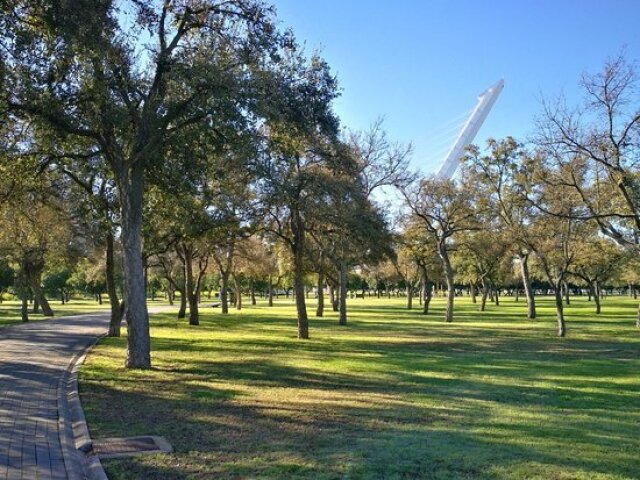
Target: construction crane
{"x":486,"y":100}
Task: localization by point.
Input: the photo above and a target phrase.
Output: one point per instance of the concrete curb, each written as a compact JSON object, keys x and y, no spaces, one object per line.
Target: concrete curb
{"x":76,"y":443}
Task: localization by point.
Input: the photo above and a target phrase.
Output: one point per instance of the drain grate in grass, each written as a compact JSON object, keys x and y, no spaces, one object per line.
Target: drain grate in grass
{"x":127,"y":447}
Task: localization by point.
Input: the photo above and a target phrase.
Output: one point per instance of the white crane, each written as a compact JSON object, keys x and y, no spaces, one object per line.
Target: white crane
{"x":486,"y":100}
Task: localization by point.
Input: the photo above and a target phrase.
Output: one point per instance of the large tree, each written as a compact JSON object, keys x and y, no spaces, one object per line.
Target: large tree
{"x":299,"y":160}
{"x":88,"y":76}
{"x":444,"y":209}
{"x":496,"y":175}
{"x":599,"y":140}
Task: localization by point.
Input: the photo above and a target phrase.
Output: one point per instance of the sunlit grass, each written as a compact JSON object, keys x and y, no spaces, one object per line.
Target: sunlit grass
{"x":10,"y":310}
{"x":392,"y":395}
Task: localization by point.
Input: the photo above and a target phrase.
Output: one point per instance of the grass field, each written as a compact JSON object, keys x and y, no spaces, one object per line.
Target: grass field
{"x":392,"y":395}
{"x":10,"y":310}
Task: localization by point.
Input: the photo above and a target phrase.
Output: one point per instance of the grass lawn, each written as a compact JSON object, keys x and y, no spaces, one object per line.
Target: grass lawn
{"x":10,"y":310}
{"x":392,"y":395}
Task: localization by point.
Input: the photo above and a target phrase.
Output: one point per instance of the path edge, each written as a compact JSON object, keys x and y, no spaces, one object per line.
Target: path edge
{"x":75,"y":439}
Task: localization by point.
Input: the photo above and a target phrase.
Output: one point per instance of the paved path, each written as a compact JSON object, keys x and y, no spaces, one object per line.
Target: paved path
{"x":36,"y":441}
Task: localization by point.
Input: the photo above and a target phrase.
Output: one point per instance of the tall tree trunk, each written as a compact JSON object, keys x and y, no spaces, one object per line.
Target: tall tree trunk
{"x":36,"y":307}
{"x":131,"y":185}
{"x":192,"y":296}
{"x":24,"y":310}
{"x":565,"y":289}
{"x":224,"y":292}
{"x":485,"y":293}
{"x":473,"y":292}
{"x":343,"y":293}
{"x":526,"y":284}
{"x":562,"y":330}
{"x":115,"y":318}
{"x":596,"y":296}
{"x":409,"y":291}
{"x":252,"y":293}
{"x":238,"y":289}
{"x":427,"y":288}
{"x":182,"y":311}
{"x":332,"y":298}
{"x":38,"y":295}
{"x":270,"y":293}
{"x":448,"y":270}
{"x":320,"y":286}
{"x":496,"y":298}
{"x":297,"y":247}
{"x":298,"y":285}
{"x":171,"y":294}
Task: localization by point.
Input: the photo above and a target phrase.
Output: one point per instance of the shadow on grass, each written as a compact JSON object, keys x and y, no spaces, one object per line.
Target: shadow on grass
{"x":393,"y":395}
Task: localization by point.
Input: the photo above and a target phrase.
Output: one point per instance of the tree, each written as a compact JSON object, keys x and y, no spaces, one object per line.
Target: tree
{"x":302,"y":131}
{"x":597,"y":261}
{"x":497,"y":177}
{"x":85,"y":77}
{"x":482,"y":252}
{"x":443,"y":209}
{"x":602,"y":138}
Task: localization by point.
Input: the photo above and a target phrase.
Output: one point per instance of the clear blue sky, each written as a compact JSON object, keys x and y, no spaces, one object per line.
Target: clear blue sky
{"x":420,"y":63}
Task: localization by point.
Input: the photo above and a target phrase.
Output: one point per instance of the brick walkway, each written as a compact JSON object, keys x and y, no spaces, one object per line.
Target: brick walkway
{"x":35,"y":443}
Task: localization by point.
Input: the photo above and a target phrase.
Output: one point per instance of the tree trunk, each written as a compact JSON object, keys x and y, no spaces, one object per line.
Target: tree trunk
{"x":115,"y":319}
{"x":526,"y":283}
{"x":131,"y":186}
{"x":562,"y":331}
{"x":448,"y":270}
{"x":182,"y":311}
{"x":496,"y":298}
{"x":270,"y":291}
{"x":320,"y":286}
{"x":426,"y":290}
{"x":409,"y":291}
{"x":252,"y":293}
{"x":171,"y":294}
{"x":24,"y":310}
{"x":298,"y":285}
{"x":565,"y":289}
{"x":297,"y":249}
{"x":192,"y":296}
{"x":596,"y":296}
{"x":236,"y":287}
{"x":224,"y":289}
{"x":472,"y":292}
{"x":343,"y":293}
{"x":36,"y":306}
{"x":483,"y":299}
{"x":38,"y":296}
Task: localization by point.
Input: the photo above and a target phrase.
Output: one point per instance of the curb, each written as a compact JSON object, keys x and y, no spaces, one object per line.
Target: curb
{"x":76,"y":443}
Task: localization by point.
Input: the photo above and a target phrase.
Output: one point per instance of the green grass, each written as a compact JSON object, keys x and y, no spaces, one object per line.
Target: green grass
{"x":394,"y":395}
{"x":10,"y":310}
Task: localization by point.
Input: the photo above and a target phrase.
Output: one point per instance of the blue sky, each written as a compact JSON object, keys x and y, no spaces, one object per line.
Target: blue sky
{"x":422,"y":63}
